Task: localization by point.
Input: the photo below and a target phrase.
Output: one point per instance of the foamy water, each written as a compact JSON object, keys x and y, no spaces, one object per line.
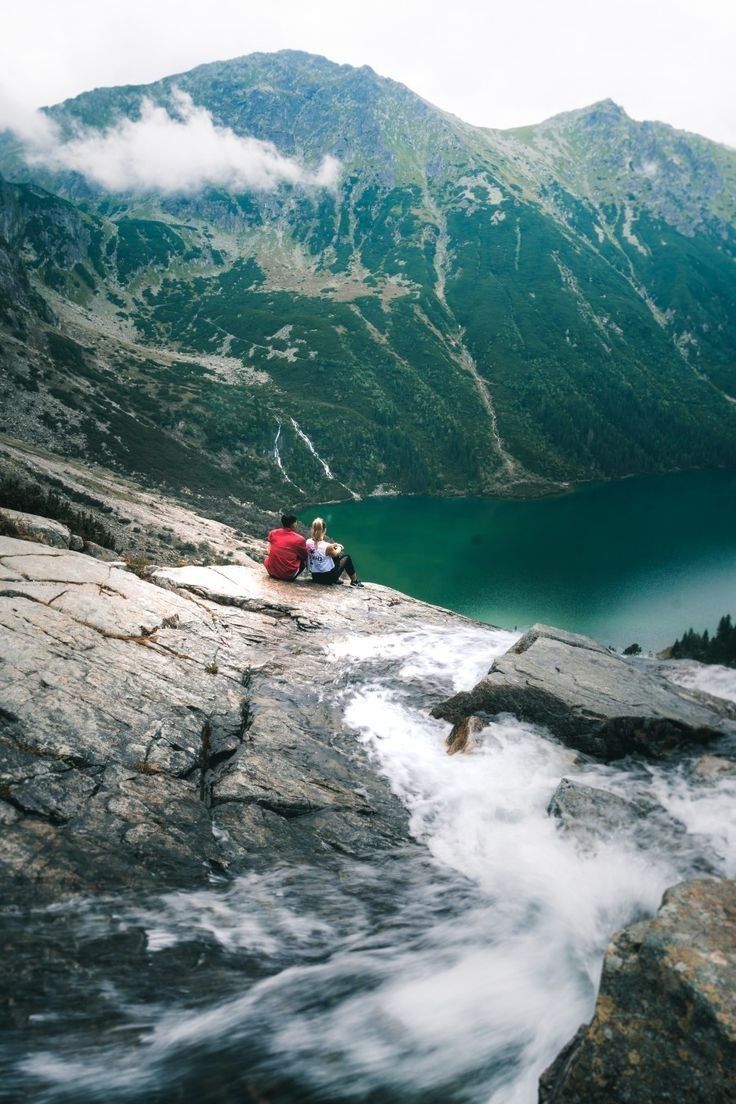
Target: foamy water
{"x":551,"y":906}
{"x":455,"y":975}
{"x":711,"y":677}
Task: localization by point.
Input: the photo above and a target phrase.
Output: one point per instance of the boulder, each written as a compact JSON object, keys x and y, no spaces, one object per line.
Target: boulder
{"x":107,"y":555}
{"x":664,"y":1027}
{"x":591,"y":698}
{"x":592,"y":815}
{"x":32,"y":527}
{"x":583,"y":808}
{"x":76,"y":543}
{"x":462,"y":736}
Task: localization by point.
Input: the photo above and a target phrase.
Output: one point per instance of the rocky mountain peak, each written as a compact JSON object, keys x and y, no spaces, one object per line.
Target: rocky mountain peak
{"x":518,"y":306}
{"x":602,"y":112}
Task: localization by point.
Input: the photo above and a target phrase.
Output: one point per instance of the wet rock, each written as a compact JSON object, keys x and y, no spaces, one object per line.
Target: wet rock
{"x":590,"y":698}
{"x":8,"y":814}
{"x":56,"y":796}
{"x":288,"y":765}
{"x":664,"y":1027}
{"x":592,"y":815}
{"x":710,"y":768}
{"x":32,"y":527}
{"x":587,"y":810}
{"x":462,"y":735}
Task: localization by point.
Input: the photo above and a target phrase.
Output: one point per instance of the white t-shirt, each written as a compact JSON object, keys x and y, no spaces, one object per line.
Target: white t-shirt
{"x":317,"y":558}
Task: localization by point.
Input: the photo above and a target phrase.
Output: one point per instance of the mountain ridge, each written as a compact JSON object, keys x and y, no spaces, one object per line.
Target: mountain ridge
{"x":606,"y":102}
{"x":504,"y":328}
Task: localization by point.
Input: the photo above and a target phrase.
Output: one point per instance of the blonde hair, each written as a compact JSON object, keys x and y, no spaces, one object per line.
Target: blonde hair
{"x":318,"y":529}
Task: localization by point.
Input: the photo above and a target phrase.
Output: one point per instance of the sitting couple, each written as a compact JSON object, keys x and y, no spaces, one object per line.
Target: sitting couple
{"x":288,"y":552}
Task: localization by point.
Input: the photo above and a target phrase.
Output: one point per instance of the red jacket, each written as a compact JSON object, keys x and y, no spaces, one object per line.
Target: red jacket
{"x":287,"y":551}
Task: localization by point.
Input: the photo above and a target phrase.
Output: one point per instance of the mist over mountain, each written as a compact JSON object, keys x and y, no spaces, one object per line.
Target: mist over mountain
{"x":281,"y":279}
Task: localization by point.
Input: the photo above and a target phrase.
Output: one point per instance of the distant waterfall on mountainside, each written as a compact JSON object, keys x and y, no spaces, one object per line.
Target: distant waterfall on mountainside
{"x":280,"y":463}
{"x":325,"y":466}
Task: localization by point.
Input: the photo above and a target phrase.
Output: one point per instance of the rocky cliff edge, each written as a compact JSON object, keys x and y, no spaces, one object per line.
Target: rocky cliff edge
{"x":156,"y":731}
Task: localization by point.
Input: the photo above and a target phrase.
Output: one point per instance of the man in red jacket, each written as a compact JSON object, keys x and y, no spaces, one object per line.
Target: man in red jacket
{"x":287,"y":550}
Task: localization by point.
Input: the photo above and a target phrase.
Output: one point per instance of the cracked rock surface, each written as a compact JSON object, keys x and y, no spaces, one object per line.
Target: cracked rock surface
{"x":592,"y":699}
{"x":157,"y":732}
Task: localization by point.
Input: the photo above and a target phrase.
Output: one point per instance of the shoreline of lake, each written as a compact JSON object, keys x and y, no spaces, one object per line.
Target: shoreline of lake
{"x":639,"y":559}
{"x":556,"y":490}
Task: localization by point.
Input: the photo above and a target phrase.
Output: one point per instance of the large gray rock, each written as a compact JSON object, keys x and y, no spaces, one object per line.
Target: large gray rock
{"x":35,"y":528}
{"x":152,"y":733}
{"x":591,"y":698}
{"x":664,"y":1027}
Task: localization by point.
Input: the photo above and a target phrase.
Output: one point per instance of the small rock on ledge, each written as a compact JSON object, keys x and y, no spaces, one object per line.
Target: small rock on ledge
{"x":100,"y":553}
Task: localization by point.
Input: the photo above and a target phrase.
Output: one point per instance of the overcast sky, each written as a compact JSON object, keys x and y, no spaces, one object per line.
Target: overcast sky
{"x":492,"y":63}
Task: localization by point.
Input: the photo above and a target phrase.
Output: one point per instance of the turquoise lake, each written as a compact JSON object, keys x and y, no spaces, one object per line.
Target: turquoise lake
{"x":640,"y":560}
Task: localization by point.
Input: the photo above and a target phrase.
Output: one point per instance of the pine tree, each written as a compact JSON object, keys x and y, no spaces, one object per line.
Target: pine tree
{"x":721,"y":648}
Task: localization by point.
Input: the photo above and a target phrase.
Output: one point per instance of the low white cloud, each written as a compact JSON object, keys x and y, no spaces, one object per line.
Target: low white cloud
{"x":32,"y":127}
{"x":183,"y":152}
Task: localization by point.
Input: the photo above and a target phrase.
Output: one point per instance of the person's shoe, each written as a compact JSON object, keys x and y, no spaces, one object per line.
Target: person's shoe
{"x":356,"y":582}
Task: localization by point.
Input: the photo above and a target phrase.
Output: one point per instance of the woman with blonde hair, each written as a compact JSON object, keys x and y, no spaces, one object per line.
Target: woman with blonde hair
{"x":326,"y":559}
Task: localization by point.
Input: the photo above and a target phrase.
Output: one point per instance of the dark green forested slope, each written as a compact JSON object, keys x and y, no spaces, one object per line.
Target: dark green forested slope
{"x":469,"y":311}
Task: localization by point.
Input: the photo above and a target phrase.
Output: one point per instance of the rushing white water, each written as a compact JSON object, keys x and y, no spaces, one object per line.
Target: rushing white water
{"x":450,"y":660}
{"x":551,"y":907}
{"x":711,"y":677}
{"x":279,"y":461}
{"x":454,"y":978}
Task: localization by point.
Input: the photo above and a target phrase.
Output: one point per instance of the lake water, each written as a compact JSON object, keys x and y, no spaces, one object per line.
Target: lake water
{"x":640,"y":560}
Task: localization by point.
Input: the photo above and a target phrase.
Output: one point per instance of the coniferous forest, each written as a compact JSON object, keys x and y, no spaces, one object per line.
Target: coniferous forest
{"x":720,"y":648}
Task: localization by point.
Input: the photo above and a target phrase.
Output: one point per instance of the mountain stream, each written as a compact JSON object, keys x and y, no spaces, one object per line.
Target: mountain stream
{"x":452,"y":971}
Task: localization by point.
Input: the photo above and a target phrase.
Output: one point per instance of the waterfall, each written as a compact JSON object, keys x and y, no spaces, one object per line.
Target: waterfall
{"x":280,"y":463}
{"x":325,"y":466}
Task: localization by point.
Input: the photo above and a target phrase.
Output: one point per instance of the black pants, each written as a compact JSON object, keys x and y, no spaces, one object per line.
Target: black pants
{"x":342,"y":563}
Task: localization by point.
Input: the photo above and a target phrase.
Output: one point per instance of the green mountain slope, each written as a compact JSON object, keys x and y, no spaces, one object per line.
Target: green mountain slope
{"x":470,"y":311}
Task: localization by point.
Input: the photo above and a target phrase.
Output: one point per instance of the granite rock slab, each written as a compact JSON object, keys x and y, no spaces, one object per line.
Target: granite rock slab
{"x":591,"y":698}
